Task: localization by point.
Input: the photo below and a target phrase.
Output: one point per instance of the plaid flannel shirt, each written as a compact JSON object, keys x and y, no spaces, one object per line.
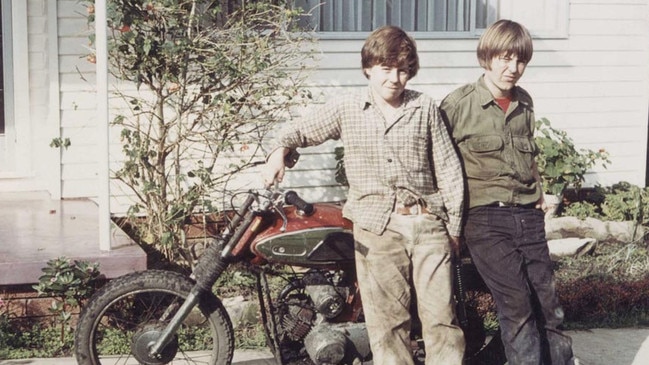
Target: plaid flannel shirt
{"x":412,"y":152}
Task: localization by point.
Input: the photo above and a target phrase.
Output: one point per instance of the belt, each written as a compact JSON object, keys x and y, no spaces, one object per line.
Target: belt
{"x":510,"y":205}
{"x":415,"y":209}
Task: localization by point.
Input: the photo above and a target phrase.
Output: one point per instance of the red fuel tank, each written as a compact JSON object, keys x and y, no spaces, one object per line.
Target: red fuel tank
{"x":320,"y":239}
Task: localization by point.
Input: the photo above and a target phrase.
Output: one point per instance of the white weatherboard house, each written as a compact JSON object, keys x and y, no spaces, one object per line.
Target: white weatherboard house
{"x":589,"y":76}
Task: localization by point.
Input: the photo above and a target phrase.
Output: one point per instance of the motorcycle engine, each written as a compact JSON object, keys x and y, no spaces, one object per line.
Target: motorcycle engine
{"x":327,"y":295}
{"x":338,"y":343}
{"x":318,"y":294}
{"x":308,"y":312}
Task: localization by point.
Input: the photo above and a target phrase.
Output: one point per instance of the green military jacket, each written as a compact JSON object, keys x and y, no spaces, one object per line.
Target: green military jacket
{"x":497,"y":148}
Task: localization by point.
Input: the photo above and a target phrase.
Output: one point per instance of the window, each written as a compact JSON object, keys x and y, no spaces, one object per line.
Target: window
{"x":434,"y":16}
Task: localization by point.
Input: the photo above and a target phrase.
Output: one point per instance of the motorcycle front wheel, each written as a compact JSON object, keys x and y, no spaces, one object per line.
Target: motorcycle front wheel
{"x":123,"y":319}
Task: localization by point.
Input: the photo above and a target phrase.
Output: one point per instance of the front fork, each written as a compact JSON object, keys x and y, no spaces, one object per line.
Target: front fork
{"x":207,"y":271}
{"x":210,"y":266}
{"x":167,"y":334}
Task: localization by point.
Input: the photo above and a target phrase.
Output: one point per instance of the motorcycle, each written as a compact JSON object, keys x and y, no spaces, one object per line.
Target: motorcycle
{"x":316,"y":317}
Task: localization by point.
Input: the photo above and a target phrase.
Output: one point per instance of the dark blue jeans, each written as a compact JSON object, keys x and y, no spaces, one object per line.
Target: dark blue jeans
{"x":510,"y":251}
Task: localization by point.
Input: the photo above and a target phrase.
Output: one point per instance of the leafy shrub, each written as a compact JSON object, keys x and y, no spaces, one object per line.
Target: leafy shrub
{"x":561,"y":164}
{"x":116,"y":342}
{"x":201,"y":84}
{"x":620,"y":202}
{"x":482,"y":305}
{"x":250,"y":336}
{"x":582,"y":210}
{"x":69,"y":283}
{"x":236,"y":280}
{"x":626,"y":202}
{"x":71,"y":280}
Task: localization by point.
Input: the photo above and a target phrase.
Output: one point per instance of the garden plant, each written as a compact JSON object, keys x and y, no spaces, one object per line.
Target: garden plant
{"x":561,"y":164}
{"x":68,"y":284}
{"x":198,"y":84}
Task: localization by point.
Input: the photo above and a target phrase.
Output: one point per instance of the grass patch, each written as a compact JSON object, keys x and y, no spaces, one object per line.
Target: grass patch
{"x":250,"y":336}
{"x":608,"y":289}
{"x":626,"y":262}
{"x":19,"y":340}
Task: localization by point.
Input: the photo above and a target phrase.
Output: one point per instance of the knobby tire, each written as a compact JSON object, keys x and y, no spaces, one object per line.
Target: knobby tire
{"x":139,"y":303}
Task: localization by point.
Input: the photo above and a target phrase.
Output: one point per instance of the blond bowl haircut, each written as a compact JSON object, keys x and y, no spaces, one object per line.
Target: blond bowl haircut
{"x":390,"y":46}
{"x":504,"y":37}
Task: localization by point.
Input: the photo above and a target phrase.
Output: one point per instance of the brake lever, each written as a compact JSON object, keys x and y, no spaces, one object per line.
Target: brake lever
{"x":280,"y":211}
{"x":275,"y":201}
{"x":278,"y":206}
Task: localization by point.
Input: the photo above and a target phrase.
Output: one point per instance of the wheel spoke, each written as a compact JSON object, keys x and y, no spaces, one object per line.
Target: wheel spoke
{"x":121,"y":322}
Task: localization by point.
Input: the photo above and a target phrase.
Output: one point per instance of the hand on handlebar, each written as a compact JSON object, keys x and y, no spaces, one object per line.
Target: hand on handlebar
{"x":273,"y":170}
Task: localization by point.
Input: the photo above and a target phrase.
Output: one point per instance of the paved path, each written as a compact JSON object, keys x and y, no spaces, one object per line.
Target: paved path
{"x":627,"y":346}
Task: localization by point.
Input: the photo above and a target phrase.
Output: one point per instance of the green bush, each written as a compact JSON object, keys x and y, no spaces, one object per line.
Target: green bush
{"x":201,"y":84}
{"x":116,"y":342}
{"x":626,"y":202}
{"x":250,"y":336}
{"x":582,"y":210}
{"x":5,"y":330}
{"x":620,"y":202}
{"x":69,"y":283}
{"x":561,"y":164}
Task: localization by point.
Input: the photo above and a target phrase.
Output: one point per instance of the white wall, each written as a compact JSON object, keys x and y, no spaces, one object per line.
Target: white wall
{"x":78,"y":104}
{"x":595,"y":85}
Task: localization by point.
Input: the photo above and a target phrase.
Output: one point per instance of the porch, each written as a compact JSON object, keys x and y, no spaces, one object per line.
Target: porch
{"x":35,"y":229}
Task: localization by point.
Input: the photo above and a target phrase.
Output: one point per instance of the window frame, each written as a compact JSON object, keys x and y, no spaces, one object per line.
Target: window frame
{"x":508,"y":9}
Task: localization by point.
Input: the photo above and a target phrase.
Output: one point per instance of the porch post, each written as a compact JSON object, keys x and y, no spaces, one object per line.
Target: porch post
{"x":103,"y":161}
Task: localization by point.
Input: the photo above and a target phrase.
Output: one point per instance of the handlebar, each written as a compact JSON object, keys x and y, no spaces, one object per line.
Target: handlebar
{"x":304,"y":208}
{"x":272,"y":198}
{"x":269,"y":199}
